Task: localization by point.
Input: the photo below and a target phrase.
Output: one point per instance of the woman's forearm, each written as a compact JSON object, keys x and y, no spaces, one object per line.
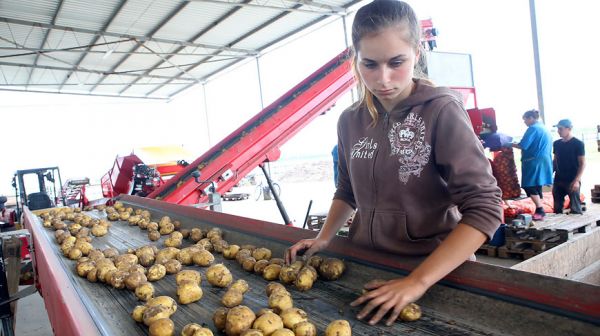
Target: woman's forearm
{"x":338,"y":214}
{"x":458,"y":247}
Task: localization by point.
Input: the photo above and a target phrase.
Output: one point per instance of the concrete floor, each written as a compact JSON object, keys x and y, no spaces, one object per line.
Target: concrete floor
{"x":31,"y":318}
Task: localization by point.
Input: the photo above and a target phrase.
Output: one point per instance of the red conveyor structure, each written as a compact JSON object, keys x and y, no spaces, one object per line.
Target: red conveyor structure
{"x":259,"y":139}
{"x":475,"y":299}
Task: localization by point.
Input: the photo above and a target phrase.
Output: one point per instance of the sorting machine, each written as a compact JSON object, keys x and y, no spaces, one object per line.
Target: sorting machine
{"x":475,"y":299}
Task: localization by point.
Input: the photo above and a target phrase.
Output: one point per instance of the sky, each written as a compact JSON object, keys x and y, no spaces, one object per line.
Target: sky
{"x":83,"y":135}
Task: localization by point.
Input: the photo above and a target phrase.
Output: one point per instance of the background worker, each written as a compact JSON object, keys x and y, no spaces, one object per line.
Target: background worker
{"x":569,"y":163}
{"x":409,"y":162}
{"x":536,"y":160}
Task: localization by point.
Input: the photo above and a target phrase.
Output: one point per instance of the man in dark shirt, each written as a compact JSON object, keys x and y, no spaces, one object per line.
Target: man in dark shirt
{"x":569,"y":162}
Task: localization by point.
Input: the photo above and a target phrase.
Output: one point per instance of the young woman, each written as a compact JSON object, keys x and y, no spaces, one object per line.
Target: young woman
{"x":536,"y":160}
{"x":409,"y":162}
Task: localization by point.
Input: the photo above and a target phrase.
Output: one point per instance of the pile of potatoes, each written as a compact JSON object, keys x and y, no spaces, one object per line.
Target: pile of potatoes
{"x":156,"y":315}
{"x":280,"y":319}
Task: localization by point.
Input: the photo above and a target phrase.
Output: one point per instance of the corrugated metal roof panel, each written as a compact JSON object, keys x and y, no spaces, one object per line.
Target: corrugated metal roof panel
{"x":139,"y":17}
{"x":238,"y":24}
{"x":37,"y":11}
{"x":276,"y":30}
{"x":87,"y":14}
{"x":196,"y":18}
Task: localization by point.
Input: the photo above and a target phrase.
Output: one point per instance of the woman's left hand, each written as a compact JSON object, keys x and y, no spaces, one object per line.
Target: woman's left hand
{"x":390,"y":296}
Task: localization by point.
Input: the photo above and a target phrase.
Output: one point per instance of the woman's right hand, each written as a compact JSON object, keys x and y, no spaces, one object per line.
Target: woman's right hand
{"x":309,"y":246}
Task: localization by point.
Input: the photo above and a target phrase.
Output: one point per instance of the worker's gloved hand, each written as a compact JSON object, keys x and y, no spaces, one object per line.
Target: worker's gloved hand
{"x":306,"y":248}
{"x":388,"y":296}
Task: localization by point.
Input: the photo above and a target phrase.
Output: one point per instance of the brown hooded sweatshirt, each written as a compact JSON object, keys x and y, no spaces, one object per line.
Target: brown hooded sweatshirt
{"x":416,"y":174}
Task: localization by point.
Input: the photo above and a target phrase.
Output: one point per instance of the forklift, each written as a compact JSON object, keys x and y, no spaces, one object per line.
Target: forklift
{"x":45,"y":193}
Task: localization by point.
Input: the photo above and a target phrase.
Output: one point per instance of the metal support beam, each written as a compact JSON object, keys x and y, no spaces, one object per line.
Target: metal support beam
{"x":37,"y":57}
{"x":326,"y":11}
{"x":194,"y":38}
{"x":34,"y":51}
{"x":139,"y":38}
{"x":536,"y":60}
{"x":104,"y":73}
{"x":95,"y":39}
{"x":85,"y":94}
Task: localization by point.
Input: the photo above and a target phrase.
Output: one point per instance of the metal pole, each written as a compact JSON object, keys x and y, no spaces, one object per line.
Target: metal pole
{"x":536,"y":59}
{"x":286,"y":218}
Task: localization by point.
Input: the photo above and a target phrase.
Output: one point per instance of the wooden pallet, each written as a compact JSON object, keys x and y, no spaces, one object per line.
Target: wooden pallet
{"x":518,"y":253}
{"x":488,"y":250}
{"x":536,"y":245}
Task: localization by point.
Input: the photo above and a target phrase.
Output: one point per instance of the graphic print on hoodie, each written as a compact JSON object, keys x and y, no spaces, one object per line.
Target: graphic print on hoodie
{"x":407,"y":140}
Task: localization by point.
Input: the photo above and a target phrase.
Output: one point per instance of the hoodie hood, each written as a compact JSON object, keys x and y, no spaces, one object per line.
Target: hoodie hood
{"x":423,"y":92}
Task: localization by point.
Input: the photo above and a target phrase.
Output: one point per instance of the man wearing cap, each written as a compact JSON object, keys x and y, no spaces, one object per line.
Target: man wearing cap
{"x":569,"y":162}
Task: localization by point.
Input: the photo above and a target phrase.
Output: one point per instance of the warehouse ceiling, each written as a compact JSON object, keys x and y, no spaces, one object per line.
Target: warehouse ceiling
{"x":141,"y":48}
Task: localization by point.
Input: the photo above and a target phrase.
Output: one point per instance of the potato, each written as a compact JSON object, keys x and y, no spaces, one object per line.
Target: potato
{"x":305,"y":279}
{"x":117,"y":279}
{"x":305,"y":329}
{"x":143,"y":223}
{"x":206,"y":244}
{"x":268,"y":323}
{"x":411,"y":312}
{"x":185,"y":256}
{"x":190,"y":328}
{"x":172,"y":266}
{"x":153,"y":235}
{"x":110,"y":252}
{"x":92,"y":275}
{"x":260,"y":265}
{"x":185,"y":233}
{"x":287,"y":274}
{"x":188,"y":291}
{"x":271,"y":272}
{"x":283,"y":332}
{"x":172,"y":242}
{"x":242,"y":255}
{"x":188,"y":275}
{"x":138,"y":313}
{"x":154,"y":313}
{"x":124,"y":216}
{"x":166,"y":229}
{"x":164,"y":300}
{"x":128,"y":258}
{"x":156,"y":272}
{"x":220,"y":317}
{"x":153,"y":226}
{"x":280,"y":301}
{"x":220,"y":245}
{"x":137,"y":268}
{"x":232,"y":298}
{"x":338,"y":328}
{"x":248,"y":264}
{"x":203,"y":258}
{"x":83,"y":268}
{"x":164,"y":220}
{"x":196,"y":235}
{"x":176,"y":235}
{"x":218,"y":275}
{"x":74,"y":253}
{"x":231,"y":251}
{"x":162,"y":327}
{"x":168,"y":252}
{"x":273,"y":287}
{"x":144,"y":291}
{"x":146,"y":259}
{"x":214,"y":232}
{"x":252,"y":332}
{"x":239,"y":319}
{"x":278,"y":261}
{"x":241,"y":285}
{"x":263,"y":311}
{"x":292,"y":316}
{"x":261,"y":253}
{"x":134,"y":279}
{"x":332,"y":268}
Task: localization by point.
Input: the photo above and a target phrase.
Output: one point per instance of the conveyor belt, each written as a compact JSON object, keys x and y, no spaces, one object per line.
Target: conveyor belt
{"x":447,"y":311}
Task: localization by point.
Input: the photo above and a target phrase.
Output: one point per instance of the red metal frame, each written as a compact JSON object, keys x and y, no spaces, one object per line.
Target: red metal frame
{"x":66,"y":311}
{"x":119,"y":178}
{"x":259,"y":139}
